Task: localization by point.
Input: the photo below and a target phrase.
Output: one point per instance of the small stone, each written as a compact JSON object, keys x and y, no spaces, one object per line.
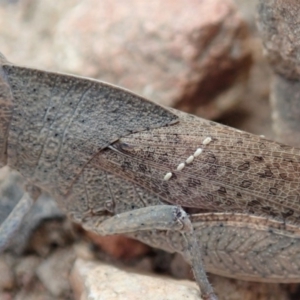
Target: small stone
{"x":26,"y":270}
{"x":54,"y":272}
{"x":6,"y":275}
{"x":6,"y":296}
{"x":96,"y":280}
{"x":119,"y":246}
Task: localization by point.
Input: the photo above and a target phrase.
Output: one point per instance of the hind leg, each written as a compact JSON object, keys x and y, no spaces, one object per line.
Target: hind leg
{"x":161,"y":217}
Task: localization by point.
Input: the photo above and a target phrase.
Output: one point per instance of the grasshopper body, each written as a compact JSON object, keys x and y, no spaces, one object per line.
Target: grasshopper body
{"x":117,"y":163}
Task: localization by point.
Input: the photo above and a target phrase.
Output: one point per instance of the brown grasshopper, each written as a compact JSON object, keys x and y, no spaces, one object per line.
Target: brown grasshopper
{"x":117,"y":163}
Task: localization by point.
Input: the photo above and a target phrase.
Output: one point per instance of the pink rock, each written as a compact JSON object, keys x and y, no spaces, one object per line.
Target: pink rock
{"x":178,"y":53}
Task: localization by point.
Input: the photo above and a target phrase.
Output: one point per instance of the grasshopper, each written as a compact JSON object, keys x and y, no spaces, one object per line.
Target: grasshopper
{"x":117,"y":163}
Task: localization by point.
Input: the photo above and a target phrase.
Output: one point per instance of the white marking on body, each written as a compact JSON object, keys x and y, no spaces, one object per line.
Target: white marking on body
{"x":190,"y":159}
{"x":262,"y":136}
{"x":180,"y":166}
{"x":168,"y":176}
{"x":198,"y":152}
{"x":207,"y":140}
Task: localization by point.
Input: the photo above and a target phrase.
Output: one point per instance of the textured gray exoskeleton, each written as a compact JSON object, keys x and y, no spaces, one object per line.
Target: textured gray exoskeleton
{"x":117,"y":163}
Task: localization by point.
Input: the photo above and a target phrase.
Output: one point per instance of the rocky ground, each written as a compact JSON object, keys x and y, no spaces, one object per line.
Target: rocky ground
{"x":204,"y":57}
